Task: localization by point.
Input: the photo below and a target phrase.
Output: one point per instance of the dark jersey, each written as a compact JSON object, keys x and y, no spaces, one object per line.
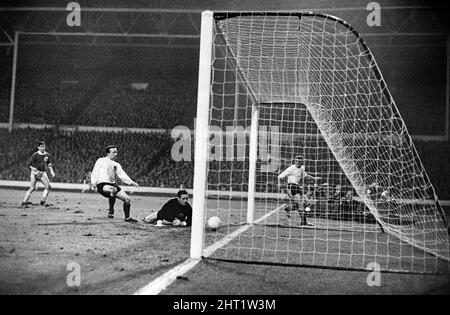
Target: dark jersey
{"x":40,"y":161}
{"x":172,"y":209}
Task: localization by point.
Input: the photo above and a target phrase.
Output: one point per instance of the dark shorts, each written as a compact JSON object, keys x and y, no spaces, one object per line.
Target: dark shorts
{"x":295,"y":189}
{"x":105,"y":194}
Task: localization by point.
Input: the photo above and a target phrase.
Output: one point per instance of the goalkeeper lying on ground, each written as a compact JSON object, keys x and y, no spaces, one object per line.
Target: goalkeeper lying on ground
{"x":176,"y":211}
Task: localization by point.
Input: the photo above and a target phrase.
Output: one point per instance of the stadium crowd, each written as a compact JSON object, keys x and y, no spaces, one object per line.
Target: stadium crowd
{"x":144,"y":156}
{"x":164,"y":104}
{"x":53,"y":104}
{"x":147,"y":157}
{"x":91,"y":91}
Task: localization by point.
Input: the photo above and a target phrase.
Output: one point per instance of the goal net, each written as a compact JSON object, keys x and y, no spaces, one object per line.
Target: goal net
{"x":280,"y":85}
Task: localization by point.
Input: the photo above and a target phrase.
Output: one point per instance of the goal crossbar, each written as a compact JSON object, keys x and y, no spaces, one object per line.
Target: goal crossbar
{"x":311,"y":79}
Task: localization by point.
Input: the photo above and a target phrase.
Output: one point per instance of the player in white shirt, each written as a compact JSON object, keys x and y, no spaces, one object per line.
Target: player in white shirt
{"x":104,"y":177}
{"x":296,"y":174}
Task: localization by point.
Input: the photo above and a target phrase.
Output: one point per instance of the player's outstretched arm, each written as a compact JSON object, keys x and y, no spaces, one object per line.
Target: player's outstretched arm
{"x":124,"y":177}
{"x":52,"y":172}
{"x":133,"y":183}
{"x":285,"y":173}
{"x":316,"y":178}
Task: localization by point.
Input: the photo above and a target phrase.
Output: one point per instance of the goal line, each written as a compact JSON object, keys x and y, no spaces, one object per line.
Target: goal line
{"x":163,"y":281}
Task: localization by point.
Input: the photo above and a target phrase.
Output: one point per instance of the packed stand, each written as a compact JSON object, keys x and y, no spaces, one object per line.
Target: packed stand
{"x":142,"y":155}
{"x":164,"y":104}
{"x":147,"y":157}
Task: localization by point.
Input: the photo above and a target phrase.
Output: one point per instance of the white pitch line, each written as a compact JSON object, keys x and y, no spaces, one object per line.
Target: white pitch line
{"x":162,"y":282}
{"x":211,"y":249}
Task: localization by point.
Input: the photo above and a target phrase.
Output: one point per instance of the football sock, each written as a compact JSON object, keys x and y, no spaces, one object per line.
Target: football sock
{"x":126,"y":209}
{"x":112,"y":202}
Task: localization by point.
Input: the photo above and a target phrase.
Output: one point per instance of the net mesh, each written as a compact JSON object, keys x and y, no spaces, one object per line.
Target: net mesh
{"x":318,"y":92}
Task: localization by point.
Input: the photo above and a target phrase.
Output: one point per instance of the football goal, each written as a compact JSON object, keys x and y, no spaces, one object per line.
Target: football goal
{"x":279,"y":88}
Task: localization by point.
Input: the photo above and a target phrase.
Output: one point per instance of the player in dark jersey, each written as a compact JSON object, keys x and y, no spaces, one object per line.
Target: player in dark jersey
{"x":176,"y":211}
{"x":39,"y":163}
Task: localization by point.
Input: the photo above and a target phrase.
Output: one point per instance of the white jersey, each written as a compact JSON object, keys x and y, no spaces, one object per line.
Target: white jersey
{"x":100,"y":173}
{"x":295,"y":174}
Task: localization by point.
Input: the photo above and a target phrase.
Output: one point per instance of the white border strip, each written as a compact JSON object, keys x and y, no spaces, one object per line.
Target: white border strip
{"x":162,"y":282}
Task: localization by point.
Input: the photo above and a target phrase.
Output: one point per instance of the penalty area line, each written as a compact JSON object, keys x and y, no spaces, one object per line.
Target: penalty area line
{"x":163,"y":281}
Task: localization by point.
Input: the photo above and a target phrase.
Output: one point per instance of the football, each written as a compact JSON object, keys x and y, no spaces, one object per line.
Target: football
{"x":214,"y":223}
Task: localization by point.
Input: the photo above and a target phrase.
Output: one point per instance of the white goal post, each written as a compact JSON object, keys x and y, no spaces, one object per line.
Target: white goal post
{"x":274,"y":86}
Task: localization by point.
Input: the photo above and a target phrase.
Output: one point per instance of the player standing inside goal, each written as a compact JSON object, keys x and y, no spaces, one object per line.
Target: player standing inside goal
{"x":176,"y":211}
{"x":104,"y":177}
{"x":39,"y":163}
{"x":296,"y":174}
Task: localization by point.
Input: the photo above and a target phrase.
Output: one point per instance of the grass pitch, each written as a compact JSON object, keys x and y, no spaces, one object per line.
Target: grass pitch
{"x":38,"y":244}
